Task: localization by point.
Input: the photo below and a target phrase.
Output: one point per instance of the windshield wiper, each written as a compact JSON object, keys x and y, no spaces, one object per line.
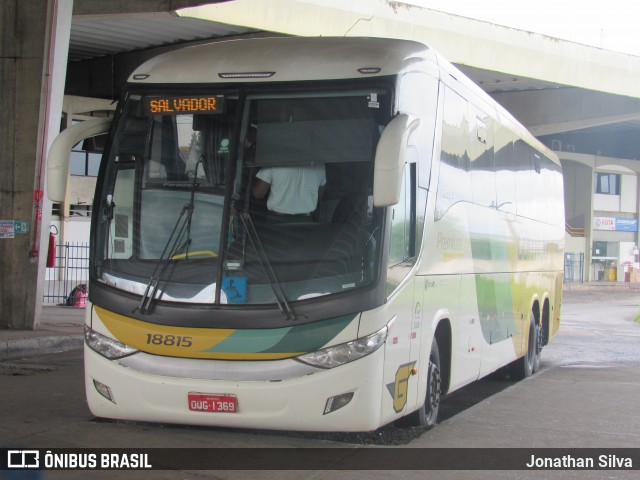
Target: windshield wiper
{"x":182,"y":226}
{"x":281,"y":298}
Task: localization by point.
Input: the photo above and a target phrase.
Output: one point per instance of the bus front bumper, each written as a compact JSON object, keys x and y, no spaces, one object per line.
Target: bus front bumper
{"x":302,"y":403}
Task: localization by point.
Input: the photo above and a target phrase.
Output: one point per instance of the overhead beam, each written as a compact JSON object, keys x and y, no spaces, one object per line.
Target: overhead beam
{"x":100,"y":7}
{"x":104,"y":77}
{"x":546,"y":112}
{"x":569,"y":126}
{"x":461,"y":40}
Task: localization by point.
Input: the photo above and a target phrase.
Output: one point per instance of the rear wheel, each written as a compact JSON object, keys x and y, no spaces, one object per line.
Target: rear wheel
{"x":539,"y":334}
{"x":530,"y":362}
{"x":427,"y":415}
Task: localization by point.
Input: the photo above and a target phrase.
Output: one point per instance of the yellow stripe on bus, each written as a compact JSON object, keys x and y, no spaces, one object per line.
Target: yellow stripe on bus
{"x":163,"y":339}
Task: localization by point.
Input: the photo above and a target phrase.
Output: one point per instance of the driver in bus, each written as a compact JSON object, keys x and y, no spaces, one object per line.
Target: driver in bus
{"x":293,"y":191}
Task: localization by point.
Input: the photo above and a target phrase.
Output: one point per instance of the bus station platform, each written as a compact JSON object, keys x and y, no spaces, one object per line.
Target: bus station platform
{"x":61,"y":329}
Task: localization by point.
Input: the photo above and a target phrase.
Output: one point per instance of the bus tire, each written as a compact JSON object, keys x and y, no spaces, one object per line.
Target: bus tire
{"x":530,"y":363}
{"x":427,"y":415}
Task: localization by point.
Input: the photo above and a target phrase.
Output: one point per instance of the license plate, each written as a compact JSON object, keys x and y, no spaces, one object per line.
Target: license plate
{"x":207,"y":402}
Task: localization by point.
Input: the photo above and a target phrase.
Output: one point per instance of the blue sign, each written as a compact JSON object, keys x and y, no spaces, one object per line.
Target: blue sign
{"x":235,"y":288}
{"x":20,"y":227}
{"x":626,"y":224}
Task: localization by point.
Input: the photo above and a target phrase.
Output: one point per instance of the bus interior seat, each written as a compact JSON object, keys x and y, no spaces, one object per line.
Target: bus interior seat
{"x":351,"y":208}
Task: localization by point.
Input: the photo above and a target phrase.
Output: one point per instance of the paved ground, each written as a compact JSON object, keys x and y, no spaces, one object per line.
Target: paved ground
{"x":585,"y":396}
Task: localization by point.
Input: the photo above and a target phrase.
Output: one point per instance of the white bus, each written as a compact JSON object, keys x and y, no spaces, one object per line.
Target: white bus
{"x":432,"y":256}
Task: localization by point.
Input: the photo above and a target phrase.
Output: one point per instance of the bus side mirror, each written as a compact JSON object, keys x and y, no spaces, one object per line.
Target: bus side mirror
{"x":60,"y":151}
{"x":390,"y":159}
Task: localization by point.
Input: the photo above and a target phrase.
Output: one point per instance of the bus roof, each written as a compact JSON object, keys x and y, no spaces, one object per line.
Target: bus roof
{"x":285,"y":59}
{"x":282,"y":59}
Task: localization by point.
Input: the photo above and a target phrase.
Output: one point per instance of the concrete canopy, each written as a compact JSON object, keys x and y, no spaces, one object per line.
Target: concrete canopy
{"x":552,"y":86}
{"x":581,"y":95}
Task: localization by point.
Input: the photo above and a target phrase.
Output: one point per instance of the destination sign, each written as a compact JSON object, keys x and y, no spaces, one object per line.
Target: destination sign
{"x":176,"y":104}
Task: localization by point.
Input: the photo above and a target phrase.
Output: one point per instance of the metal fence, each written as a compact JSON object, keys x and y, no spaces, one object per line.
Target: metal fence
{"x":574,"y":267}
{"x":66,"y":281}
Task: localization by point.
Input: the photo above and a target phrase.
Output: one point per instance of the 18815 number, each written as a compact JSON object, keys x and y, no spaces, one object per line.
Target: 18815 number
{"x":169,"y":340}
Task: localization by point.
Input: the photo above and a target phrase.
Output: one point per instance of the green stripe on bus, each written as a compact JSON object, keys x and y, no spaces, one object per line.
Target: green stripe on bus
{"x":303,"y":338}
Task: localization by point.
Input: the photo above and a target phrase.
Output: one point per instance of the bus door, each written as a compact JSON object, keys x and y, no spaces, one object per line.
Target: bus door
{"x":403,"y":344}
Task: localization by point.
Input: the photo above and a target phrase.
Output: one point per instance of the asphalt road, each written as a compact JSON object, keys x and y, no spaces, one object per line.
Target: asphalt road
{"x":42,"y":402}
{"x":598,"y":329}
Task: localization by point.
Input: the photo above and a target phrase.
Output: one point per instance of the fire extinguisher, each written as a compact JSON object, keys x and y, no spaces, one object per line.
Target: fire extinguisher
{"x":51,"y":252}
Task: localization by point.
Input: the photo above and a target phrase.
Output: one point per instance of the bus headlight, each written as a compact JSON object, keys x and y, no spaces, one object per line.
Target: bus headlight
{"x":346,"y":352}
{"x":105,"y":346}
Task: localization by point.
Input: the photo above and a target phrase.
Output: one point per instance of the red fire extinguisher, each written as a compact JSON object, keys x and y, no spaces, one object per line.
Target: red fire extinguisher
{"x":51,"y":252}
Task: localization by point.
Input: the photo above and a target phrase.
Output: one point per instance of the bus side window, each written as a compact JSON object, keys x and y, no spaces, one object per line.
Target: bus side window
{"x":482,"y":166}
{"x":402,"y":242}
{"x":419,"y":97}
{"x":505,"y":170}
{"x":525,"y":171}
{"x":454,"y":180}
{"x":403,"y":220}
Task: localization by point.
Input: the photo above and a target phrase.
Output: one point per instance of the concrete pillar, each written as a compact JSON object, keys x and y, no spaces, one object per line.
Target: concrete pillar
{"x":589,"y":227}
{"x":637,"y":239}
{"x":32,"y":36}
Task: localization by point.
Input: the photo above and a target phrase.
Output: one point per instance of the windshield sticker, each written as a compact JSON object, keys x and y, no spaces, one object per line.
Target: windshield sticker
{"x":235,"y":288}
{"x":373,"y":101}
{"x":224,"y":145}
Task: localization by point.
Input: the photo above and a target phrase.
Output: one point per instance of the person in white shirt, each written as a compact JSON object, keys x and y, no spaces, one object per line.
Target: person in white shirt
{"x":293,"y":190}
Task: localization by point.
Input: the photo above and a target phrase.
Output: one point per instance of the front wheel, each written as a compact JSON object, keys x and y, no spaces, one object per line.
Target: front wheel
{"x":427,"y":415}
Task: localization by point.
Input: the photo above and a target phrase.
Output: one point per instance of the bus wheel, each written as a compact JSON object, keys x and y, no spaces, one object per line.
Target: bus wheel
{"x":427,"y":415}
{"x":530,"y":362}
{"x":540,"y":343}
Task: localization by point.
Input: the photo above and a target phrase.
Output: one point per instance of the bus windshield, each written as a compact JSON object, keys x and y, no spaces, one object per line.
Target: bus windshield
{"x":218,"y":198}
